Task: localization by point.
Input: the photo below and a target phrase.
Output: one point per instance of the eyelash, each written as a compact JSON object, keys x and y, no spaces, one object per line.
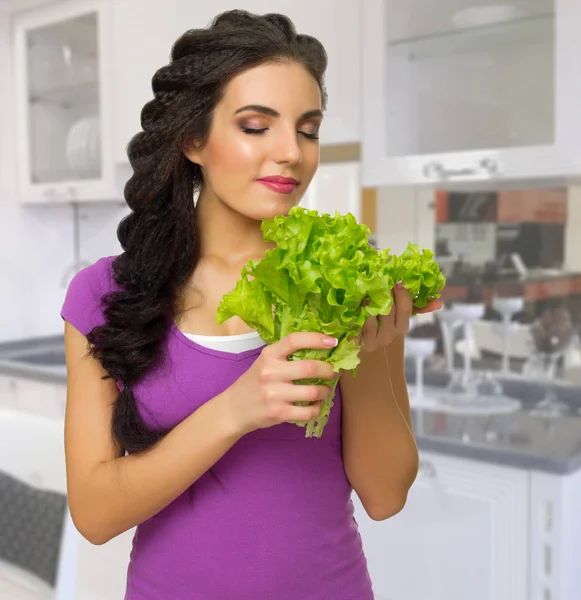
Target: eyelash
{"x":310,"y":136}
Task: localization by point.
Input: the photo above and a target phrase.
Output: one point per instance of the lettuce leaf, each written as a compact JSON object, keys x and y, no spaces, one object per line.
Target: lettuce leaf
{"x":316,"y":279}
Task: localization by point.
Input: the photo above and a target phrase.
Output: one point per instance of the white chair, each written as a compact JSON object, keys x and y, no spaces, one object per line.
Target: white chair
{"x":32,"y":451}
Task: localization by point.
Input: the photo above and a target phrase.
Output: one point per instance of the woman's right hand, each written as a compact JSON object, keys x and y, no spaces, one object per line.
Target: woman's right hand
{"x":265,"y":394}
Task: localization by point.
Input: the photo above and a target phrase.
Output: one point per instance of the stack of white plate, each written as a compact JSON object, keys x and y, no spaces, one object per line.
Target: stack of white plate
{"x":84,"y":147}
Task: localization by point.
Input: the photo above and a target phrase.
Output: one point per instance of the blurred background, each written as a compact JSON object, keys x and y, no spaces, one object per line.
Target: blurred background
{"x":454,"y":124}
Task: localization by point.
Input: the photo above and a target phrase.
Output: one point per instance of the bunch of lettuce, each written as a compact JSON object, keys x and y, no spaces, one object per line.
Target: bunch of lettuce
{"x":316,"y":279}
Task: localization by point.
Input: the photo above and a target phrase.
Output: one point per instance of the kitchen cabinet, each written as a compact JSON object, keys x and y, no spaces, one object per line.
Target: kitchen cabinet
{"x":462,"y":534}
{"x":63,"y":57}
{"x":555,"y":533}
{"x":143,"y":39}
{"x":470,"y":93}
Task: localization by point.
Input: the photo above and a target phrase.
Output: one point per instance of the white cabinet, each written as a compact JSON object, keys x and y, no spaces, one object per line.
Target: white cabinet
{"x":143,"y":38}
{"x":63,"y":85}
{"x":470,"y":92}
{"x":555,"y":534}
{"x":462,"y":534}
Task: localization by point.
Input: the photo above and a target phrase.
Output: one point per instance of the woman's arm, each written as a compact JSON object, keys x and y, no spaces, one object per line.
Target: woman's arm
{"x":379,"y":449}
{"x":108,"y":492}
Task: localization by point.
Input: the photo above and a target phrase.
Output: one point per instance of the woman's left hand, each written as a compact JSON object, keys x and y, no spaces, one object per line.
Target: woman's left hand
{"x":382,"y":330}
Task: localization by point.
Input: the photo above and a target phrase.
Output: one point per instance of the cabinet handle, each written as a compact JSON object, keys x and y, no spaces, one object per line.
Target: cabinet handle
{"x":490,"y":165}
{"x":427,"y":469}
{"x":437,"y":169}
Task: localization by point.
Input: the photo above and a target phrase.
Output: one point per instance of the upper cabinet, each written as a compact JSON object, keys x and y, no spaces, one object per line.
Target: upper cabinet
{"x":64,"y":102}
{"x":469,"y":91}
{"x":143,"y":39}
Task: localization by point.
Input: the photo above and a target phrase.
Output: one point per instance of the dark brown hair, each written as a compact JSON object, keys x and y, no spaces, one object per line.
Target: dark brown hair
{"x":159,"y":239}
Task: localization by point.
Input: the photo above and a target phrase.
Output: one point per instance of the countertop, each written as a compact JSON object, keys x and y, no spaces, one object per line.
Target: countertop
{"x":11,"y":351}
{"x":518,"y":439}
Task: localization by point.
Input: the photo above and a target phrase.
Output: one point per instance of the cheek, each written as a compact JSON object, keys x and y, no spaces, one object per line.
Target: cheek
{"x":233,"y":154}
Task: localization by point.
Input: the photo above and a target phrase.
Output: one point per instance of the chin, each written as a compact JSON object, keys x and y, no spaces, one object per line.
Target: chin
{"x":274,"y":209}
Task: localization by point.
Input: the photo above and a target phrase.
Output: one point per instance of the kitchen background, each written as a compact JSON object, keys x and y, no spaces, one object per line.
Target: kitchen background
{"x":454,"y":124}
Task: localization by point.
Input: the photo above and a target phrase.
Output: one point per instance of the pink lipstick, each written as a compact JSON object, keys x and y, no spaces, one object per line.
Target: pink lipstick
{"x":277,"y":183}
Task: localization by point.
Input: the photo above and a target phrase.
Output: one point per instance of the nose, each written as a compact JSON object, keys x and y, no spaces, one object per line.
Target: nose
{"x":287,"y":150}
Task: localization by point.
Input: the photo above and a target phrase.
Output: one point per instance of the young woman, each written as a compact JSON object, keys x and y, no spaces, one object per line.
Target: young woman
{"x":178,"y":425}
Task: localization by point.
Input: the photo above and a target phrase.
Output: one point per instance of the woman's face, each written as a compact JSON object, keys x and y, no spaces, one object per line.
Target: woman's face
{"x":266,"y":125}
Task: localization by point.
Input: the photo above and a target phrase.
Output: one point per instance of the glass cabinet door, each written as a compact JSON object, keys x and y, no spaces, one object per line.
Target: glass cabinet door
{"x":468,"y":74}
{"x":63,"y":103}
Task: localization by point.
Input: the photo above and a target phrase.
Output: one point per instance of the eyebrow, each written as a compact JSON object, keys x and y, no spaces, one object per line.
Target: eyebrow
{"x":273,"y":113}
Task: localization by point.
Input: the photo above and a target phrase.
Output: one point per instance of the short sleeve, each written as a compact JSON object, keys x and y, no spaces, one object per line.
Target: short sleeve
{"x":82,"y":306}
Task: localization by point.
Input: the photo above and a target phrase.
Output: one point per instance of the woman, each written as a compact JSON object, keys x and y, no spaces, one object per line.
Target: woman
{"x":178,"y":425}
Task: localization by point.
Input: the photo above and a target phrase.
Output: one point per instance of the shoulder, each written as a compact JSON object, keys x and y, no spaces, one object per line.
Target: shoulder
{"x":83,"y":306}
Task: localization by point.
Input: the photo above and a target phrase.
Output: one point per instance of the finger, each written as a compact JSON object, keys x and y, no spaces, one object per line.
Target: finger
{"x":369,"y":331}
{"x":305,"y":369}
{"x":405,"y":305}
{"x":387,"y":330}
{"x":290,"y":392}
{"x":299,"y":340}
{"x":304,"y":413}
{"x":433,"y":304}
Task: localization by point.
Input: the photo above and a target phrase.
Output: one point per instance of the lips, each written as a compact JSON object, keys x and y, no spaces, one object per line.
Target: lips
{"x":279,"y":179}
{"x":277,"y":183}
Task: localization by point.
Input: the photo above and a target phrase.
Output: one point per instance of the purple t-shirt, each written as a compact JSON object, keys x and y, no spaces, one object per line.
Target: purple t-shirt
{"x":278,"y":524}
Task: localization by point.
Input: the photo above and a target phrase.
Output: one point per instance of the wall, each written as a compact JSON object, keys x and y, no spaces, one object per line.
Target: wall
{"x":405,"y":214}
{"x":573,"y":229}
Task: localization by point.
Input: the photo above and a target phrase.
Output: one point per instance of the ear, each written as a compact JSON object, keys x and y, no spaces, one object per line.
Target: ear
{"x":194,"y":153}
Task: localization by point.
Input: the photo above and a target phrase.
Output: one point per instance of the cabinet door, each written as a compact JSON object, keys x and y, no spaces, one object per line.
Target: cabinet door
{"x":143,"y":37}
{"x":555,"y":534}
{"x":64,"y":107}
{"x":462,"y":534}
{"x":469,"y":91}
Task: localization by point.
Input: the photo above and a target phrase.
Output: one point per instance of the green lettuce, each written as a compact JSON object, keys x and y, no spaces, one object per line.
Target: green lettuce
{"x":316,"y":279}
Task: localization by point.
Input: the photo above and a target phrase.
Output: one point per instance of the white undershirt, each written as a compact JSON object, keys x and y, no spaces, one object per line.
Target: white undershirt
{"x":229,"y":343}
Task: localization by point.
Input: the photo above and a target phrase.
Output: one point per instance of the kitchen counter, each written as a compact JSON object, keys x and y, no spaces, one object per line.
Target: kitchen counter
{"x":517,"y":439}
{"x":12,"y":352}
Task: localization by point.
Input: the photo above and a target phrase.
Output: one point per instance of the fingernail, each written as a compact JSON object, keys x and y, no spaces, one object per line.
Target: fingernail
{"x":330,"y":341}
{"x":399,"y":285}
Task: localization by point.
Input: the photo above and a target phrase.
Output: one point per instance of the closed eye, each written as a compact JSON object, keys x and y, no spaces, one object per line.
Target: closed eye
{"x":310,"y":136}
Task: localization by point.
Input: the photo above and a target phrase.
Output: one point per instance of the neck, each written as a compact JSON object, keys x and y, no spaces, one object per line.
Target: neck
{"x":226,"y":234}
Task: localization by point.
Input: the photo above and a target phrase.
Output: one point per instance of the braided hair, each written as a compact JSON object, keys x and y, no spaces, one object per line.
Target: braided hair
{"x":159,"y":238}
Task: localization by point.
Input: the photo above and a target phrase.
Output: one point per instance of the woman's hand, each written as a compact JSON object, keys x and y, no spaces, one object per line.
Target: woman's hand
{"x":382,"y":330}
{"x":265,"y":394}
